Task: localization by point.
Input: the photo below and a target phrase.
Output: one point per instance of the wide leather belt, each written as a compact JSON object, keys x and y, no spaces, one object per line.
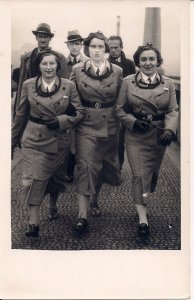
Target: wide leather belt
{"x":37,"y":120}
{"x":149,"y":117}
{"x":97,"y":105}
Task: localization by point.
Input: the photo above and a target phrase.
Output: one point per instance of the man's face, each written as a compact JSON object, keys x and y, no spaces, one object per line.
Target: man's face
{"x":115,"y":48}
{"x":74,"y":47}
{"x":43,"y":40}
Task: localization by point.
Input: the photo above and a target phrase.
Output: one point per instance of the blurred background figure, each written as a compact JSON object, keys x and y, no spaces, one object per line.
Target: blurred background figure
{"x":147,"y":106}
{"x":46,"y":140}
{"x":117,"y":56}
{"x":74,"y":45}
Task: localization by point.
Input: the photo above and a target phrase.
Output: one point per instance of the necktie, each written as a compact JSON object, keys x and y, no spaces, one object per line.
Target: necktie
{"x":47,"y":90}
{"x":74,"y":60}
{"x":149,"y":80}
{"x":98,"y":72}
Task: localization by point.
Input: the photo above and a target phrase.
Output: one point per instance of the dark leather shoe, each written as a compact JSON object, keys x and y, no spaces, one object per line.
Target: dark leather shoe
{"x":143,"y":230}
{"x":53,"y":214}
{"x":33,"y":230}
{"x":81,"y":226}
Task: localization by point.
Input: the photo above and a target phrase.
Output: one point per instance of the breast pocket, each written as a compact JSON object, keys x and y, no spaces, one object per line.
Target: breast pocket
{"x":61,"y":104}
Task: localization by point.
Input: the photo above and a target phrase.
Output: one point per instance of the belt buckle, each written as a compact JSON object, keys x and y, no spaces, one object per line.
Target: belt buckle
{"x":149,"y":117}
{"x":98,"y":105}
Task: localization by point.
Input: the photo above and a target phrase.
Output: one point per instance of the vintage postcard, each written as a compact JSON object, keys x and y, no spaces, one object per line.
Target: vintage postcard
{"x":95,"y":162}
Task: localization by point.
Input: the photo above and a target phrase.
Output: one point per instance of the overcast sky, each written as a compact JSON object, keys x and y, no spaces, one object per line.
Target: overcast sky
{"x":88,"y":16}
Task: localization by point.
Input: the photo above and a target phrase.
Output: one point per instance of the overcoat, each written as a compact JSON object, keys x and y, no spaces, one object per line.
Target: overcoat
{"x":99,"y":122}
{"x":45,"y":151}
{"x":97,"y":133}
{"x":39,"y":136}
{"x":144,"y":151}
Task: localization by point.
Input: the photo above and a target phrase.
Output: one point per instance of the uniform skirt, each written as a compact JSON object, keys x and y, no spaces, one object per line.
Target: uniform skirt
{"x":145,"y":162}
{"x":97,"y":162}
{"x":43,"y":173}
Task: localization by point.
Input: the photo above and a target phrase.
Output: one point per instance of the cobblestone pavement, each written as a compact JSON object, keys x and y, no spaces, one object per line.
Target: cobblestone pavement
{"x":116,"y":228}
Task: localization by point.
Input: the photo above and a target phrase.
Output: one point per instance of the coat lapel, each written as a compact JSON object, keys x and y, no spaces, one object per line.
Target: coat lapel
{"x":148,"y":95}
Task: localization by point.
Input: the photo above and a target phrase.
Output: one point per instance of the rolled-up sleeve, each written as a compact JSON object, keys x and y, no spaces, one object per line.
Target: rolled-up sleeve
{"x":127,"y":119}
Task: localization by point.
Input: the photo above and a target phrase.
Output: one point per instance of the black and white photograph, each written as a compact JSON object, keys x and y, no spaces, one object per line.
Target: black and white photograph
{"x":98,"y":104}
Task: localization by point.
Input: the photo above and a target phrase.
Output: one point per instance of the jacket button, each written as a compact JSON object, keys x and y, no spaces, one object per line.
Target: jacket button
{"x":37,"y":103}
{"x":104,"y":116}
{"x":85,"y":84}
{"x":88,"y":116}
{"x":40,"y":135}
{"x":64,"y":88}
{"x":58,"y":103}
{"x":55,"y":135}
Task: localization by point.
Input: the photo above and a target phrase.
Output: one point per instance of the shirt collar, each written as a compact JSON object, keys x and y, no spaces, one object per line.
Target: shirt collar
{"x":42,"y":82}
{"x":101,"y":67}
{"x":145,"y":77}
{"x":77,"y":58}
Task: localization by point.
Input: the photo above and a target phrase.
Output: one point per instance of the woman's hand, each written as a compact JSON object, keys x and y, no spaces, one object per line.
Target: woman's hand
{"x":141,"y":125}
{"x":52,"y":123}
{"x":167,"y":137}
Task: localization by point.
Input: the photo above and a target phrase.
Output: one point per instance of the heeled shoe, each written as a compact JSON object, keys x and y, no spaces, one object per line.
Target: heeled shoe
{"x":33,"y":230}
{"x":53,"y":214}
{"x":81,"y":226}
{"x":143,"y":230}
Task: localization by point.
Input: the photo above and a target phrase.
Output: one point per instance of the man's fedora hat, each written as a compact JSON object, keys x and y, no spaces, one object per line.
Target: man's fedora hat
{"x":73,"y":36}
{"x":43,"y":28}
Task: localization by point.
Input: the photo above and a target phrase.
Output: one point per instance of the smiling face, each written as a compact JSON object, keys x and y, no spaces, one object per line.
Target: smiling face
{"x":148,"y":62}
{"x":48,"y":67}
{"x":43,"y":40}
{"x":97,"y":50}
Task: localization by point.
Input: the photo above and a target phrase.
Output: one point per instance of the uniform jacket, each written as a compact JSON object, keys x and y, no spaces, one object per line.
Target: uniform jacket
{"x":70,"y":64}
{"x":39,"y":136}
{"x":126,"y":64}
{"x":99,"y":122}
{"x":161,"y":99}
{"x":25,"y":71}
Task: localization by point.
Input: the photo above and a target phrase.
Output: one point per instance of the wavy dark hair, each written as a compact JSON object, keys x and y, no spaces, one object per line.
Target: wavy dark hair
{"x":148,"y":46}
{"x":98,"y":35}
{"x":42,"y":54}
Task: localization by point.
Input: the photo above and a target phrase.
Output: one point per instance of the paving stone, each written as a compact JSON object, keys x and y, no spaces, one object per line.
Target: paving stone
{"x":115,"y":229}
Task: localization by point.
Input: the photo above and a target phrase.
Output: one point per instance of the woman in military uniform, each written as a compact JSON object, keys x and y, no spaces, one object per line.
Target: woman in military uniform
{"x":45,"y":101}
{"x":147,"y":106}
{"x":98,"y":83}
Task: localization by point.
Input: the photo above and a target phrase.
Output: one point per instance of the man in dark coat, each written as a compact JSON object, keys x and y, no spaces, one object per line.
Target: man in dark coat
{"x":117,"y":57}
